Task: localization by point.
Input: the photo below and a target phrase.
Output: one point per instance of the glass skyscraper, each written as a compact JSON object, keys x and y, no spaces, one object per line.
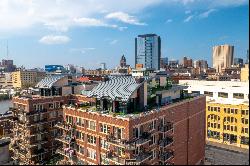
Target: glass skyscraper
{"x":148,"y":51}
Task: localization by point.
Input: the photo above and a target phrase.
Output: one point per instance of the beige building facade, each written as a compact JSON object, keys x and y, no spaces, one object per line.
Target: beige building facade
{"x":222,"y":57}
{"x":26,"y":78}
{"x":244,"y":74}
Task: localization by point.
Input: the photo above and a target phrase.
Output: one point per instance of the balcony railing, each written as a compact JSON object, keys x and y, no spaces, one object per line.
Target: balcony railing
{"x":166,"y":156}
{"x":36,"y":112}
{"x":138,"y":159}
{"x":67,"y":152}
{"x":64,"y":126}
{"x":166,"y":128}
{"x":143,"y":139}
{"x":66,"y":139}
{"x":121,"y":143}
{"x":166,"y":142}
{"x":116,"y":159}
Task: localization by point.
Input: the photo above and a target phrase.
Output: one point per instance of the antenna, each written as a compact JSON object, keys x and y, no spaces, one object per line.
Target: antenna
{"x":7,"y":50}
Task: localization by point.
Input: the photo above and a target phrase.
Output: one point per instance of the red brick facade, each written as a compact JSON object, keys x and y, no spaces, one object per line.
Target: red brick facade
{"x":188,"y":134}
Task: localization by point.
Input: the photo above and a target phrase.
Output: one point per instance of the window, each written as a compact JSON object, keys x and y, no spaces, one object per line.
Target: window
{"x":81,"y":150}
{"x":152,"y":125}
{"x":244,"y":140}
{"x":210,"y":94}
{"x":104,"y":144}
{"x":105,"y":128}
{"x":91,"y":125}
{"x":91,"y":139}
{"x":78,"y":121}
{"x":222,"y":94}
{"x":78,"y":135}
{"x":51,"y":106}
{"x":238,"y":95}
{"x":91,"y":154}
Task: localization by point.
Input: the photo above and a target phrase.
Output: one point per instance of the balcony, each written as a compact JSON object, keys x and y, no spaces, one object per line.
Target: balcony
{"x":31,"y":133}
{"x":167,"y":142}
{"x":66,"y":139}
{"x":36,"y":112}
{"x":144,"y":138}
{"x":116,"y":159}
{"x":166,"y":156}
{"x":166,"y":128}
{"x":121,"y":143}
{"x":34,"y":142}
{"x":39,"y":152}
{"x":64,"y":126}
{"x":67,"y":152}
{"x":139,"y":159}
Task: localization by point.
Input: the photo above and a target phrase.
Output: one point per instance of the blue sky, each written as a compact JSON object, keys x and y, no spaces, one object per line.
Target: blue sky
{"x":88,"y":32}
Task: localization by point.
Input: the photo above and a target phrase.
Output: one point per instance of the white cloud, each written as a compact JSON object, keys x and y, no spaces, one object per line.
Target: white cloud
{"x":169,"y":21}
{"x":113,"y":42}
{"x":59,"y":15}
{"x":189,"y":18}
{"x":92,"y":22}
{"x":51,"y":39}
{"x":122,"y":28}
{"x":207,"y":13}
{"x":82,"y":50}
{"x":124,"y":17}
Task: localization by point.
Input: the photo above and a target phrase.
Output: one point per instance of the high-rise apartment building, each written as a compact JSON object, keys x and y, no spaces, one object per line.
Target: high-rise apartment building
{"x":238,"y":62}
{"x":134,"y":121}
{"x":26,"y":78}
{"x":227,"y":111}
{"x":222,"y":57}
{"x":148,"y":51}
{"x":202,"y":64}
{"x":187,"y":62}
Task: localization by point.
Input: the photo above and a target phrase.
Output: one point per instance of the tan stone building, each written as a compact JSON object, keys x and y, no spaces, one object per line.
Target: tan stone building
{"x":244,"y":75}
{"x":222,"y":57}
{"x":26,"y":78}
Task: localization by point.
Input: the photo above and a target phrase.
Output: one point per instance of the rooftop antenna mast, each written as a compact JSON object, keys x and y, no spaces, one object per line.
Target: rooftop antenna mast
{"x":7,"y":50}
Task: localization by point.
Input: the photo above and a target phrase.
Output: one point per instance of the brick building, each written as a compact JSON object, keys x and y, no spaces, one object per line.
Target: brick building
{"x":133,"y":121}
{"x":34,"y":117}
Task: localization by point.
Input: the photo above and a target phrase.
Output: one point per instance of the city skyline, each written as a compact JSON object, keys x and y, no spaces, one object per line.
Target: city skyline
{"x":105,"y":32}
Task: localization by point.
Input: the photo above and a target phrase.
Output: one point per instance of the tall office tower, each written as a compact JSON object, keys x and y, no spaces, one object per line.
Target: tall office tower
{"x":222,"y":57}
{"x":238,"y":62}
{"x":123,"y":61}
{"x":164,"y":62}
{"x":103,"y":66}
{"x":148,"y":51}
